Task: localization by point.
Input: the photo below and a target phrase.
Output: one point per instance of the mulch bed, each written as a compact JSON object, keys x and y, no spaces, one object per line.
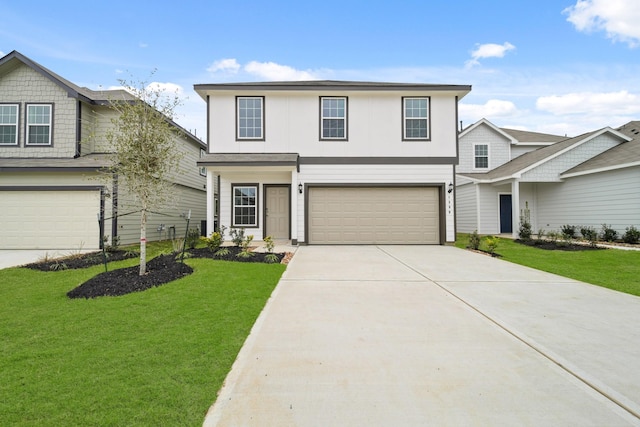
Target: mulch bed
{"x":160,"y":270}
{"x":557,"y":245}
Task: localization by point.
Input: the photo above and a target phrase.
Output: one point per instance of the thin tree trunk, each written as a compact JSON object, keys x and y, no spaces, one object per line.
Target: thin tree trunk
{"x":143,"y":242}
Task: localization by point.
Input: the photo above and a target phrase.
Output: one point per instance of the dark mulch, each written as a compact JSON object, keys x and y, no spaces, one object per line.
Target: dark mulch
{"x":233,"y":255}
{"x":560,"y":246}
{"x":73,"y":262}
{"x":160,"y":270}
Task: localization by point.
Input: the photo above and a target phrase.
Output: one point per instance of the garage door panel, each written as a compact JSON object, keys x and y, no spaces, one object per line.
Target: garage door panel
{"x":49,"y":219}
{"x":374,"y":215}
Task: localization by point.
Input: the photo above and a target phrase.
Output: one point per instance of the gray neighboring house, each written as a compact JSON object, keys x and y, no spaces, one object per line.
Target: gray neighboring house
{"x":52,"y":147}
{"x":588,"y":180}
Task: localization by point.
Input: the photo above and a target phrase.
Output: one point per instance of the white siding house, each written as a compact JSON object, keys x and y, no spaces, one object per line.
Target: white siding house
{"x":333,"y":162}
{"x":52,"y":149}
{"x":588,"y":180}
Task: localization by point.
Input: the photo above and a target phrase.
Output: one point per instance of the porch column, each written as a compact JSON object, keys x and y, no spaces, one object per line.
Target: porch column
{"x":210,"y":205}
{"x":294,"y":205}
{"x":515,"y":208}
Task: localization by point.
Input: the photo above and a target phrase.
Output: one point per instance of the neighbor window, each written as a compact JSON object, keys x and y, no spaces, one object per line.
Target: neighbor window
{"x":333,"y":121}
{"x":481,"y":156}
{"x":9,"y":124}
{"x":415,"y":113}
{"x":39,"y":120}
{"x":245,"y":205}
{"x":250,"y":117}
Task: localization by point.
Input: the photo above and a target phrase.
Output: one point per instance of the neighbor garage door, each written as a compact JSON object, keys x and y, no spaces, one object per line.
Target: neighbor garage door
{"x":49,"y":219}
{"x":374,"y":215}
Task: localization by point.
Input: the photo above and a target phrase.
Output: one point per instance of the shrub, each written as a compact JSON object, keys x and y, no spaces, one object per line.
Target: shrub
{"x":270,"y":257}
{"x":474,"y":241}
{"x":631,"y":235}
{"x":589,"y":234}
{"x":177,"y":244}
{"x":568,"y":232}
{"x":492,"y":244}
{"x":222,"y":252}
{"x":244,"y":247}
{"x":553,"y":236}
{"x":525,"y":230}
{"x":608,"y":233}
{"x":214,"y":241}
{"x":541,"y":233}
{"x":114,"y":246}
{"x":193,"y":237}
{"x":237,"y":236}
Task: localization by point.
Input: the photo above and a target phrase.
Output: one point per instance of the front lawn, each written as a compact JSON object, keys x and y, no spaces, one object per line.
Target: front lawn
{"x":611,"y":268}
{"x":156,"y":357}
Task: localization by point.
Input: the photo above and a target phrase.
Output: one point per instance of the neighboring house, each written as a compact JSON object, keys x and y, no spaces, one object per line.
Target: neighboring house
{"x":333,"y":162}
{"x":588,"y":180}
{"x":52,"y":148}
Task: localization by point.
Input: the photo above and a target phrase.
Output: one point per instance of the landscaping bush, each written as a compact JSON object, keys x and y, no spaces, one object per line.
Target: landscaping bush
{"x":608,"y":233}
{"x":237,"y":236}
{"x":525,"y":230}
{"x":492,"y":244}
{"x":193,"y":237}
{"x":568,"y":232}
{"x":214,"y":241}
{"x":474,"y":241}
{"x":631,"y":235}
{"x":589,"y":234}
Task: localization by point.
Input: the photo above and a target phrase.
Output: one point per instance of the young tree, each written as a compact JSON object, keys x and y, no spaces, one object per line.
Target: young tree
{"x":144,"y":154}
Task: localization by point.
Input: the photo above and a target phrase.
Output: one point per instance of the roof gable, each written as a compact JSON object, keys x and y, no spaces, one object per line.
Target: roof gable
{"x":487,"y":123}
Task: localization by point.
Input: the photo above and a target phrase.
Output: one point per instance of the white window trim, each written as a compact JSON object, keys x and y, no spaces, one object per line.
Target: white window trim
{"x":475,"y":156}
{"x":405,"y":119}
{"x":344,"y":119}
{"x":27,"y":125}
{"x":16,"y":125}
{"x":262,"y":130}
{"x":233,"y":206}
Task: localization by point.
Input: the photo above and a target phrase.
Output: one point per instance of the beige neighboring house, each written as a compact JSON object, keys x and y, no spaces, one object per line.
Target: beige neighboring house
{"x":52,"y":148}
{"x":333,"y":162}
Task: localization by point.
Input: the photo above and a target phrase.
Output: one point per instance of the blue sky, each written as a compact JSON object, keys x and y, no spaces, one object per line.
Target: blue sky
{"x":556,"y":66}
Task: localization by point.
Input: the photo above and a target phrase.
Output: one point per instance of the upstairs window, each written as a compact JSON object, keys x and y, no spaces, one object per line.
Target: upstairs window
{"x":9,"y":124}
{"x":415,"y":112}
{"x":250,"y":117}
{"x":39,"y":124}
{"x":245,"y":205}
{"x":333,"y":120}
{"x":481,"y":156}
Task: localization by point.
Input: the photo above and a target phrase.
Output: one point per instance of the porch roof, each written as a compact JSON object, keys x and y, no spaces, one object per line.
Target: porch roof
{"x":250,"y":159}
{"x":88,"y":163}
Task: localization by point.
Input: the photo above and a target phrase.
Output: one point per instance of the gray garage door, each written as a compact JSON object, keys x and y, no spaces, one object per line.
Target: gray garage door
{"x":374,"y":215}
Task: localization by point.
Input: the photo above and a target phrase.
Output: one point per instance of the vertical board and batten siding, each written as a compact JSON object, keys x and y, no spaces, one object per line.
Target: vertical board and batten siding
{"x":551,"y":170}
{"x":374,"y":125}
{"x":228,"y":179}
{"x":610,"y":198}
{"x":24,"y":85}
{"x":466,"y":208}
{"x":499,"y":149}
{"x":378,"y":174}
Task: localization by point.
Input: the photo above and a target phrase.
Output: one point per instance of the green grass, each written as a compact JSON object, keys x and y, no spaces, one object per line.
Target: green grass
{"x":611,"y":268}
{"x":154,"y":358}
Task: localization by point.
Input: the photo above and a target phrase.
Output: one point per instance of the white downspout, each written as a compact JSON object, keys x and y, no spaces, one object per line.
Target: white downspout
{"x":210,"y":205}
{"x":294,"y":205}
{"x":515,"y":208}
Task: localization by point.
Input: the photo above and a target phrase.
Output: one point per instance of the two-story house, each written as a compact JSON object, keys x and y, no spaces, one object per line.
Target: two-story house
{"x":52,"y":149}
{"x":333,"y":162}
{"x":587,"y":180}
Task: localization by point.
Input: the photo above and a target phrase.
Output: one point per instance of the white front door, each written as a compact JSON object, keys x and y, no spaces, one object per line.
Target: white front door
{"x":277,"y":212}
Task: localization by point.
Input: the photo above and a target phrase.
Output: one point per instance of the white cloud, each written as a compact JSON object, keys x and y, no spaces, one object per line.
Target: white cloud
{"x":143,"y":45}
{"x":603,"y":103}
{"x":229,"y":65}
{"x":166,"y":88}
{"x":618,"y":18}
{"x":490,"y":110}
{"x":273,"y":71}
{"x":489,"y":50}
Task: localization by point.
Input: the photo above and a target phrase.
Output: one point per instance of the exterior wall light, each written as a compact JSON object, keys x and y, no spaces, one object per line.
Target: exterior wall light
{"x":450,"y":190}
{"x":300,"y":188}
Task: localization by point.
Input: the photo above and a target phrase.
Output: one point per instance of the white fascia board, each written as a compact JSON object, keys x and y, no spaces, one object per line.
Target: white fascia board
{"x":511,"y":139}
{"x":598,"y":170}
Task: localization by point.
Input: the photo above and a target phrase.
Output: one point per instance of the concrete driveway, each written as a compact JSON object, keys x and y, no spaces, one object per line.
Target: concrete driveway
{"x":433,"y":335}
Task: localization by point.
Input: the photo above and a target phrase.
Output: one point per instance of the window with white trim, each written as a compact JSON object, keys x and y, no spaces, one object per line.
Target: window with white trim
{"x":8,"y":124}
{"x":250,"y":117}
{"x":481,"y":156}
{"x":39,"y":124}
{"x":333,"y":118}
{"x":415,"y":115}
{"x":245,"y":205}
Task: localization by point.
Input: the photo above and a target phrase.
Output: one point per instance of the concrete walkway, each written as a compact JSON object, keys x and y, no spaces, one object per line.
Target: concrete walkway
{"x":433,"y":335}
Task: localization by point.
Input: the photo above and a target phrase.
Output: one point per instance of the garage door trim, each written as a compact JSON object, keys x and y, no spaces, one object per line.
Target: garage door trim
{"x":441,"y":199}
